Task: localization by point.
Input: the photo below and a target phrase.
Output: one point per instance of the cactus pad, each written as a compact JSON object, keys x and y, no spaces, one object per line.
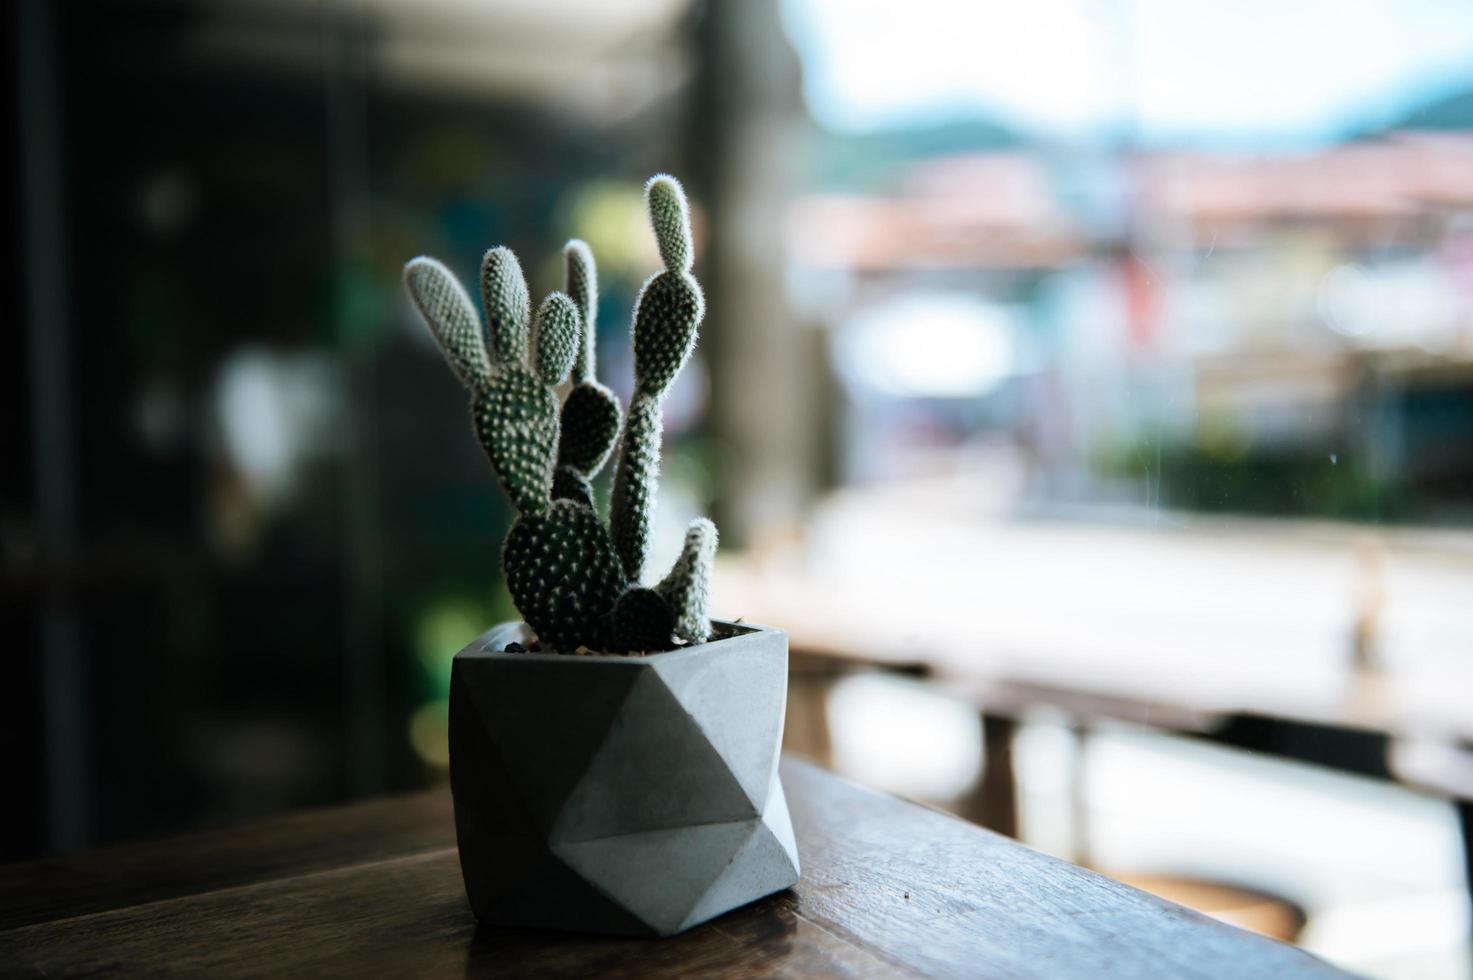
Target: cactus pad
{"x":451,"y":318}
{"x":504,"y":294}
{"x":642,"y":621}
{"x":670,"y":310}
{"x":687,"y":588}
{"x":556,"y":334}
{"x":670,"y":218}
{"x":562,"y":573}
{"x":636,"y":481}
{"x":580,"y":282}
{"x":590,"y":428}
{"x":516,"y":418}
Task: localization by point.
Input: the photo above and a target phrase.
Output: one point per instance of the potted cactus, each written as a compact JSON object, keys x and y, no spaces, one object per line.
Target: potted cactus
{"x":613,"y":758}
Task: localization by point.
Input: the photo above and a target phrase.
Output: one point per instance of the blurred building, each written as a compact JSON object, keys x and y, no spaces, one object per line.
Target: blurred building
{"x":1267,"y":318}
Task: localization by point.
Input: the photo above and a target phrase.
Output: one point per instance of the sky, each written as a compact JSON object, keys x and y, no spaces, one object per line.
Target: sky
{"x":1177,"y":70}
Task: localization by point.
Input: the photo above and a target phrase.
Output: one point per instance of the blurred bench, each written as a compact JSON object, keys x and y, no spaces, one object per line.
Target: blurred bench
{"x":1318,"y":643}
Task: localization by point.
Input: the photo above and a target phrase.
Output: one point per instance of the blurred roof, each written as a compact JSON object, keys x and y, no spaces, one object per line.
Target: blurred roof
{"x":989,"y":209}
{"x":1008,"y":210}
{"x":1404,"y":175}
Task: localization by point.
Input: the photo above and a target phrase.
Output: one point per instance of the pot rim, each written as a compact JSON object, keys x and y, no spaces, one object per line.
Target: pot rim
{"x":503,"y":633}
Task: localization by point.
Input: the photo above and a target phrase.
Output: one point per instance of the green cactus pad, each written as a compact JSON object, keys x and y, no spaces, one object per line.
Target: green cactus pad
{"x":451,"y":317}
{"x":580,"y":281}
{"x":687,"y":588}
{"x":508,"y":306}
{"x":556,"y":335}
{"x":670,"y":310}
{"x":516,"y":417}
{"x":642,"y":621}
{"x":590,"y":428}
{"x":569,"y":484}
{"x":636,"y":483}
{"x":670,"y":218}
{"x":562,"y":573}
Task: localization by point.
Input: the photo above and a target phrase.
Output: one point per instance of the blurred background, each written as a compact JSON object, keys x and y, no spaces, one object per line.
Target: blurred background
{"x":1087,"y":387}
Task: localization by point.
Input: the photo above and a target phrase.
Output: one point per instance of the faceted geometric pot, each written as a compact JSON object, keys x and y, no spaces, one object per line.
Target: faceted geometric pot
{"x":625,"y":795}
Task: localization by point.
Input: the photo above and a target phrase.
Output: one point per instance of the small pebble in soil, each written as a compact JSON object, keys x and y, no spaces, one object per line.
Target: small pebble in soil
{"x":515,"y":647}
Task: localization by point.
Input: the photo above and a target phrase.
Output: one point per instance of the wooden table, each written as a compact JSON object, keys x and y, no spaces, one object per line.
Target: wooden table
{"x":889,"y":889}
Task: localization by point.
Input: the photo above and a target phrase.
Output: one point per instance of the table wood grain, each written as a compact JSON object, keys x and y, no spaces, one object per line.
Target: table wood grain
{"x":889,"y":889}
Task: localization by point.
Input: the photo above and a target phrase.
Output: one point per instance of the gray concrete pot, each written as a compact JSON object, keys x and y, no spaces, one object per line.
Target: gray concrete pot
{"x":625,"y":795}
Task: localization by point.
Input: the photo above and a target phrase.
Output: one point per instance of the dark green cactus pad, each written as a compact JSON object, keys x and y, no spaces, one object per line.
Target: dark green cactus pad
{"x":670,"y":218}
{"x":569,"y":484}
{"x":642,"y":621}
{"x":508,"y":306}
{"x":562,"y":573}
{"x":687,"y":588}
{"x":590,"y":428}
{"x":636,"y":483}
{"x":580,"y":281}
{"x":670,"y":310}
{"x":451,"y":317}
{"x":516,"y":417}
{"x":556,"y":338}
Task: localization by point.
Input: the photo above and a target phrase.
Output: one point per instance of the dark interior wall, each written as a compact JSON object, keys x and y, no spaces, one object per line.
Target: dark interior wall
{"x":200,"y":642}
{"x":20,"y":716}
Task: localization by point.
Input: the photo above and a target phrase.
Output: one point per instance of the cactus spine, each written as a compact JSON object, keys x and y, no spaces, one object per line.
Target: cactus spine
{"x":576,"y":581}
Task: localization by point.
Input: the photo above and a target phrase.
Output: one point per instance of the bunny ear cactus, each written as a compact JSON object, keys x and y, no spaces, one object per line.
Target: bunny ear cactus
{"x":670,"y":309}
{"x":504,"y":295}
{"x":452,"y":319}
{"x":576,"y":580}
{"x":687,"y":589}
{"x":590,"y":412}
